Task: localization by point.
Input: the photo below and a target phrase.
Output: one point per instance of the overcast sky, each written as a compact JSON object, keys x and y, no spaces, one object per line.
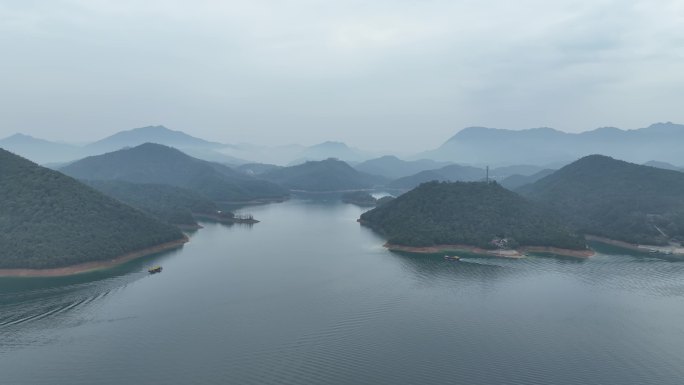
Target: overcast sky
{"x":377,"y":74}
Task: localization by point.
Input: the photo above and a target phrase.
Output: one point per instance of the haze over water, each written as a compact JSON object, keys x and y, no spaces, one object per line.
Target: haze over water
{"x":308,"y":296}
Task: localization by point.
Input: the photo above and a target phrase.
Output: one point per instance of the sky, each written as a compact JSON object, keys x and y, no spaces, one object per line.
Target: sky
{"x":384,"y":75}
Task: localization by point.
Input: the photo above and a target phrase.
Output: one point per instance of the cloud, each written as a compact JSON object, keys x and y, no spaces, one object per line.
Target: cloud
{"x":371,"y":73}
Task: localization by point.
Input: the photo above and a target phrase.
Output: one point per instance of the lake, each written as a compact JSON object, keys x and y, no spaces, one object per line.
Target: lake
{"x":308,"y":296}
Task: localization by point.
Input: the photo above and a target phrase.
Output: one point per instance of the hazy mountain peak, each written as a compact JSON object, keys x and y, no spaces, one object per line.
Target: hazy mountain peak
{"x":543,"y":146}
{"x":18,"y":136}
{"x":39,"y":150}
{"x":663,"y":128}
{"x":388,"y":157}
{"x":663,"y":165}
{"x":331,"y":145}
{"x":607,"y":129}
{"x":158,"y":128}
{"x":470,"y":133}
{"x":330,"y":149}
{"x":155,"y":134}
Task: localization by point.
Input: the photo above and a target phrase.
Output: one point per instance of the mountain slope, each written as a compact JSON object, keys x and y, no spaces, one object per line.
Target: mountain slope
{"x":616,"y":199}
{"x":50,"y":220}
{"x":325,"y":175}
{"x":149,"y":134}
{"x":155,"y":163}
{"x":469,"y":213}
{"x":450,"y":173}
{"x":193,"y":146}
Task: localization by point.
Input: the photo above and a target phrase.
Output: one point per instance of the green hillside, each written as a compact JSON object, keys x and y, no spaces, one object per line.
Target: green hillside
{"x":325,"y":175}
{"x":155,"y":163}
{"x":170,"y":204}
{"x":359,"y":198}
{"x":470,"y":213}
{"x":615,"y":199}
{"x":50,"y":220}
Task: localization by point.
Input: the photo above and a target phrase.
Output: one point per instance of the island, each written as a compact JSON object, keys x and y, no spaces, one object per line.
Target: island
{"x":478,"y":217}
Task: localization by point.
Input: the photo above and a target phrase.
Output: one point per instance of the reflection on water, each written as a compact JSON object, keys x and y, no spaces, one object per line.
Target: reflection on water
{"x":42,"y":305}
{"x":309,"y":296}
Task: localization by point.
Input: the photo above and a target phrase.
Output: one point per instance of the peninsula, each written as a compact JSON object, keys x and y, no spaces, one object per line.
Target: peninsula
{"x":51,"y":221}
{"x":478,"y":217}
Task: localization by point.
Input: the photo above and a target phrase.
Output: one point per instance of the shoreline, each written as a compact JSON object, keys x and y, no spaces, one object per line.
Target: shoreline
{"x":224,"y":219}
{"x":513,"y":254}
{"x":257,"y":201}
{"x":647,"y":249}
{"x":95,"y":265}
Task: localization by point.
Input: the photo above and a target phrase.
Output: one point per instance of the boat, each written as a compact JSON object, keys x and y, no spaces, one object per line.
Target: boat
{"x":452,"y":258}
{"x":154,"y":269}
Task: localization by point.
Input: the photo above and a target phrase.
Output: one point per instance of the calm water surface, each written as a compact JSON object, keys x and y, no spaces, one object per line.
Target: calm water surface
{"x":310,"y":297}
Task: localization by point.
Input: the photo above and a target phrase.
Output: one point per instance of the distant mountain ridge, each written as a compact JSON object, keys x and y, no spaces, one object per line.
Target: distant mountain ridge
{"x":189,"y":144}
{"x":663,"y":165}
{"x":48,"y":152}
{"x":150,"y":134}
{"x":542,"y":146}
{"x":40,"y":150}
{"x":156,"y":163}
{"x":468,"y":213}
{"x":294,"y":154}
{"x":330,"y":149}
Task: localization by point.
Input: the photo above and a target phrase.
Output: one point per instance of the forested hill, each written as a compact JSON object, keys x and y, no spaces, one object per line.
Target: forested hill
{"x":326,"y":175}
{"x":50,"y":220}
{"x":615,"y":199}
{"x":470,"y":213}
{"x":155,"y":163}
{"x":170,"y":204}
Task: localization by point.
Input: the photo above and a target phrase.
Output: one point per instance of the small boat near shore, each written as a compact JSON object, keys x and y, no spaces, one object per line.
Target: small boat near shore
{"x":154,"y":269}
{"x":452,"y":258}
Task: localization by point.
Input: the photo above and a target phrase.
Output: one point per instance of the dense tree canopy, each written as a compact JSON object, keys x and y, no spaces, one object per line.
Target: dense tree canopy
{"x":154,"y":163}
{"x":615,"y":199}
{"x":170,"y":204}
{"x":471,"y":213}
{"x":50,"y":220}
